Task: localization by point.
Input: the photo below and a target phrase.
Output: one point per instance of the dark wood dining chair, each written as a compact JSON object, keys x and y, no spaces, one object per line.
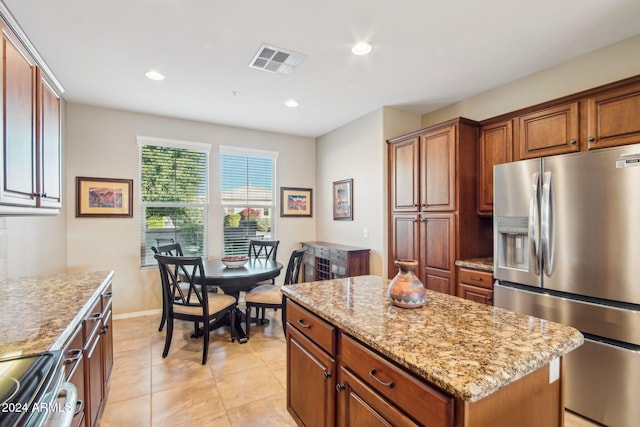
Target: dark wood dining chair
{"x":264,"y":249}
{"x":269,"y":296}
{"x":170,"y":249}
{"x":194,"y":304}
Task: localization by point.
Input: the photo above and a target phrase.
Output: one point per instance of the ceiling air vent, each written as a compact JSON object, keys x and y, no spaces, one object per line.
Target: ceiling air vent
{"x":276,"y":60}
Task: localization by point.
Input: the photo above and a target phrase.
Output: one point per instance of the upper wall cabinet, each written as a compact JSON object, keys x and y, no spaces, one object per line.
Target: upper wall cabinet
{"x":548,"y":132}
{"x":30,"y":182}
{"x":404,"y":175}
{"x":495,"y":146}
{"x":614,"y":118}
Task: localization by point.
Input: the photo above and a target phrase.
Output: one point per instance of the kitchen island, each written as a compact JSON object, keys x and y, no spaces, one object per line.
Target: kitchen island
{"x":355,"y":358}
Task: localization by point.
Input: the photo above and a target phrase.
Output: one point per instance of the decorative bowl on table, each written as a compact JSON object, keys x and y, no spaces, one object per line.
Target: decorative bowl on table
{"x":234,"y":261}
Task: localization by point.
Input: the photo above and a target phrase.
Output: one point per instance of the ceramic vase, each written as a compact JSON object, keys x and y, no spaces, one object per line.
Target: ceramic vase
{"x":405,"y":289}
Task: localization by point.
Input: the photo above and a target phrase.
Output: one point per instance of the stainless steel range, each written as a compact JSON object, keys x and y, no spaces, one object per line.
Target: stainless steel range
{"x":33,"y":392}
{"x":567,"y":249}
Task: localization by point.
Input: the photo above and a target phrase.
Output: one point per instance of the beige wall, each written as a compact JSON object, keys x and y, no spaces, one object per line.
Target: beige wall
{"x":102,"y":143}
{"x":600,"y":67}
{"x":358,"y":150}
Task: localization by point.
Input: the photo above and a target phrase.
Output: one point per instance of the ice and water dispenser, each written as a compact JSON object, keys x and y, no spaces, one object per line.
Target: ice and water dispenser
{"x":512,"y":239}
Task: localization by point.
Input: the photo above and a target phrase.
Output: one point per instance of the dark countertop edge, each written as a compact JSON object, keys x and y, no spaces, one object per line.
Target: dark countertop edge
{"x":62,"y":339}
{"x":469,"y":393}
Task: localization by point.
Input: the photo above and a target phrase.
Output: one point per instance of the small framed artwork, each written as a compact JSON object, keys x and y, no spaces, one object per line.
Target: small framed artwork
{"x":104,"y":197}
{"x":343,"y":200}
{"x":296,"y":202}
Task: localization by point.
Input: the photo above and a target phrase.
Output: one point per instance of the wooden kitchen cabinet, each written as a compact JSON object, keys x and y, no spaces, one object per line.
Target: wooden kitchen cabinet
{"x":94,"y":360}
{"x":495,"y":146}
{"x":614,"y":118}
{"x":446,"y":225}
{"x":311,"y":368}
{"x":550,"y":131}
{"x":107,"y":336}
{"x":475,"y":285}
{"x":404,"y":176}
{"x":31,"y":132}
{"x":74,"y":372}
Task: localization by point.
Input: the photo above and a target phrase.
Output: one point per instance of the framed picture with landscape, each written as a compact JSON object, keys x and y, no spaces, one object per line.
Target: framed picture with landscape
{"x":104,"y":197}
{"x":343,"y":200}
{"x":296,"y":202}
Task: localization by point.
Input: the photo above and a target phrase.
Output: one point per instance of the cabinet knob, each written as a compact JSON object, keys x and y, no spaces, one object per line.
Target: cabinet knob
{"x":572,"y":142}
{"x":327,"y":375}
{"x":340,"y":387}
{"x":591,"y":139}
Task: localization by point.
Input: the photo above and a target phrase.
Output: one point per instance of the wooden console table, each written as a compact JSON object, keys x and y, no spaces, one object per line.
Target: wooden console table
{"x":325,"y":261}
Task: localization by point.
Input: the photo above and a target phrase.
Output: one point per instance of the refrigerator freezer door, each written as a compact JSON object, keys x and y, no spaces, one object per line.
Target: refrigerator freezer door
{"x":516,"y":222}
{"x":595,"y":229}
{"x":602,"y":383}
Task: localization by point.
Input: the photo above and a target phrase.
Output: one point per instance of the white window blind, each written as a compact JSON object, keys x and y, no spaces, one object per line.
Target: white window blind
{"x":174,"y":196}
{"x":248,"y":197}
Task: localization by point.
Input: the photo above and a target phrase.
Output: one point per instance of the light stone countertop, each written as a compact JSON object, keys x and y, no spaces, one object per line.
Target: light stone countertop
{"x":483,"y":264}
{"x":40,"y":313}
{"x":470,"y":350}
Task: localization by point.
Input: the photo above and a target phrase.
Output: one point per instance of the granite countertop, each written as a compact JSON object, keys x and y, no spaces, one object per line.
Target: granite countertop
{"x":468,"y":349}
{"x":41,"y":313}
{"x":483,"y":264}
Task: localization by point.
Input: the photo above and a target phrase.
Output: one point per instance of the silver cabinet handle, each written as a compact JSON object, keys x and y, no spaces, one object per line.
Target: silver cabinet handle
{"x":372,"y":374}
{"x":304,"y":325}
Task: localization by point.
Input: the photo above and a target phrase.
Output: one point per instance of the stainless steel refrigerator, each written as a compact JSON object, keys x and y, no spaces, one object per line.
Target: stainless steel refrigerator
{"x":567,"y":249}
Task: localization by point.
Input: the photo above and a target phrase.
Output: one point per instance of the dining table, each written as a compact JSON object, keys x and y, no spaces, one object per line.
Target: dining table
{"x":232,"y":281}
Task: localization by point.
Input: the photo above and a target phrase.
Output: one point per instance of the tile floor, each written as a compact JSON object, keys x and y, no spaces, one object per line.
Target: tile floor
{"x":242,"y":385}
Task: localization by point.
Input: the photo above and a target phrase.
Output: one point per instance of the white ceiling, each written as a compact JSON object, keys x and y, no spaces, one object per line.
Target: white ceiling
{"x":426,"y":54}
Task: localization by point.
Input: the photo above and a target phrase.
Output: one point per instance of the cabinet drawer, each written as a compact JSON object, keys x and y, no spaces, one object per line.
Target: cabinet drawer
{"x":426,"y":404}
{"x":310,"y":325}
{"x":482,"y":279}
{"x":92,"y":323}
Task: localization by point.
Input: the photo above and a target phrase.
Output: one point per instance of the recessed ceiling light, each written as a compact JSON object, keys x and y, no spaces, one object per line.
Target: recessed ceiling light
{"x":154,"y":75}
{"x":361,"y":48}
{"x":292,"y":103}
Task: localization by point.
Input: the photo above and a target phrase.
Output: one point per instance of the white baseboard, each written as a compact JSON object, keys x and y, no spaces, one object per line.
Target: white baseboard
{"x":138,"y":314}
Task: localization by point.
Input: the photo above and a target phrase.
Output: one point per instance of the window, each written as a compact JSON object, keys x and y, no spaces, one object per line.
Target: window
{"x":174,"y":195}
{"x":248,"y":198}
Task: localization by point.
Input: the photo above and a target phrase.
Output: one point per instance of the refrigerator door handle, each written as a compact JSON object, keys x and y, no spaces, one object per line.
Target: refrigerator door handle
{"x":547,"y":236}
{"x":533,"y":223}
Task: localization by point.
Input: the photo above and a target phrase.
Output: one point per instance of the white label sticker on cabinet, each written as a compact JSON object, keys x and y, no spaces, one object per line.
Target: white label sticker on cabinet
{"x":554,"y":370}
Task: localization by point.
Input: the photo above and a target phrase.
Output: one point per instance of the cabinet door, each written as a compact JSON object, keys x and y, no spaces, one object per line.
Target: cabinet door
{"x":495,"y":147}
{"x":474,"y":293}
{"x":548,"y":132}
{"x":438,"y":252}
{"x":49,"y":179}
{"x":94,"y":377}
{"x":74,"y":371}
{"x":404,"y":175}
{"x":405,"y":241}
{"x":614,"y":118}
{"x":18,"y":104}
{"x":438,"y":160}
{"x":359,"y":405}
{"x":310,"y":382}
{"x":107,"y":337}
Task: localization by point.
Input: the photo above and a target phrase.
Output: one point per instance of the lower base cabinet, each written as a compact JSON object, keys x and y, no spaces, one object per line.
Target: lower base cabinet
{"x":89,"y":359}
{"x":475,"y":285}
{"x":369,"y":390}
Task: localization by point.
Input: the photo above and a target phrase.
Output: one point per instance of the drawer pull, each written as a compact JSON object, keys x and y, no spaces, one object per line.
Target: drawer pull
{"x":304,"y":325}
{"x":95,"y":316}
{"x":72,"y":356}
{"x":107,"y":294}
{"x":372,"y":374}
{"x":479,"y":279}
{"x":79,"y":407}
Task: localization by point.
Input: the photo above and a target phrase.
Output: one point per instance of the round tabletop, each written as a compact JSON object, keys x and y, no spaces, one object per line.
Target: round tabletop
{"x":233,"y":280}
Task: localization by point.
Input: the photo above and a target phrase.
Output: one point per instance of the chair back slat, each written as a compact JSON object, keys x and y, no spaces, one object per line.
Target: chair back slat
{"x":178,"y":271}
{"x":293,"y":268}
{"x":263,"y":249}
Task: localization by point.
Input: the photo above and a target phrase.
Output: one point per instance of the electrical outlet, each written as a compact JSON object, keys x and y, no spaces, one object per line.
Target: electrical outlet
{"x":365,"y":234}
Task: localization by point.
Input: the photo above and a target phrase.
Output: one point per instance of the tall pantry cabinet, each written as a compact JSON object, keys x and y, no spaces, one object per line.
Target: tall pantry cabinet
{"x":432,"y":202}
